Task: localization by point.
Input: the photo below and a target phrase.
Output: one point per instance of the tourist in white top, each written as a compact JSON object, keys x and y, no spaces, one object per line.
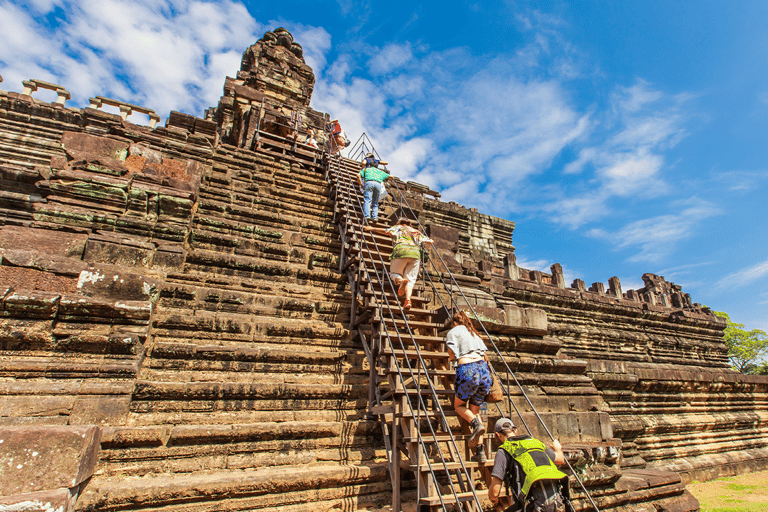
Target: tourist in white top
{"x":473,"y":376}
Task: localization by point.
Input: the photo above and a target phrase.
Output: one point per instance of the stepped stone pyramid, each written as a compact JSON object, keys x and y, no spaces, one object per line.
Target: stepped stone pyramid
{"x":176,"y":333}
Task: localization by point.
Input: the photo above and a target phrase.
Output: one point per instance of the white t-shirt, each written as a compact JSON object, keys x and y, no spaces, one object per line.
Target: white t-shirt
{"x":463,"y":343}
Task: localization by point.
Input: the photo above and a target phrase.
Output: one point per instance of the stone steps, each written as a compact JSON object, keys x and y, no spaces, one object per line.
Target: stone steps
{"x":298,"y":251}
{"x":276,"y":176}
{"x":243,"y":233}
{"x":265,"y":300}
{"x":238,"y":266}
{"x":185,"y":448}
{"x":176,"y":287}
{"x":202,"y":399}
{"x":270,"y":202}
{"x":36,"y":119}
{"x":230,"y":327}
{"x":29,"y":141}
{"x":28,"y":154}
{"x":229,"y":214}
{"x":250,"y":362}
{"x":250,"y":186}
{"x":296,"y":489}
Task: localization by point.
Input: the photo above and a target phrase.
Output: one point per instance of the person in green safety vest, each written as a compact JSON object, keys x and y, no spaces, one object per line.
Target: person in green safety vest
{"x":529,"y":469}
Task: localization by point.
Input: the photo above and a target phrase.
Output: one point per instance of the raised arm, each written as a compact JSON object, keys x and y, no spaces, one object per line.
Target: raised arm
{"x":559,"y":455}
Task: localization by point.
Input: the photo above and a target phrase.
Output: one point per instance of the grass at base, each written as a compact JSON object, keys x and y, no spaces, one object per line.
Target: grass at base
{"x":743,"y":493}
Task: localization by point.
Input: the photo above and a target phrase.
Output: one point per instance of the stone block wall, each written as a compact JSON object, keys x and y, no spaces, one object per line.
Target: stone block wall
{"x":655,"y":359}
{"x":177,"y":287}
{"x":182,"y":295}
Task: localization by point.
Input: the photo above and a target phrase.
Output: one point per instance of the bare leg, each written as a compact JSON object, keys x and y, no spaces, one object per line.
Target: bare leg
{"x":471,"y":415}
{"x":408,"y":290}
{"x":399,"y":282}
{"x":468,"y":413}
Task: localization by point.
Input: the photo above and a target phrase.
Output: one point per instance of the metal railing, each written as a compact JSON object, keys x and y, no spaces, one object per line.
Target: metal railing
{"x":397,"y":339}
{"x":364,"y":146}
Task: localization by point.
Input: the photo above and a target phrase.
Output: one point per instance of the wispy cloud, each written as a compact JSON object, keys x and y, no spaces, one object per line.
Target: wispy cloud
{"x":656,"y":237}
{"x":624,"y":157}
{"x":744,"y":277}
{"x":391,"y":57}
{"x":542,"y":265}
{"x":739,"y":181}
{"x":573,"y":212}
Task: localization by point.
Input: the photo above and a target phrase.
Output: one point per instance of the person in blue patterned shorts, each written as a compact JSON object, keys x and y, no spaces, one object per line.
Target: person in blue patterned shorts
{"x":473,"y":377}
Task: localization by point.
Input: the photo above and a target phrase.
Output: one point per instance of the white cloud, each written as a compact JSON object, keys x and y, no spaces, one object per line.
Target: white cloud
{"x":171,"y":52}
{"x":655,"y":237}
{"x":44,"y":6}
{"x":540,"y":264}
{"x":632,"y":173}
{"x":739,"y":181}
{"x":390,"y":58}
{"x":626,"y":155}
{"x":586,"y":156}
{"x":573,"y":212}
{"x":631,"y":283}
{"x":633,"y":99}
{"x":744,"y":277}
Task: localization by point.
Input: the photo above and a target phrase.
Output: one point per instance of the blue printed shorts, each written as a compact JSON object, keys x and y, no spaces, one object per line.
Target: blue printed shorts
{"x":473,"y":381}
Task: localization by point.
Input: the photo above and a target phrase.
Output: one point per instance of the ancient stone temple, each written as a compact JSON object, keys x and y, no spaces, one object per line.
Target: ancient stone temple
{"x":194,"y":320}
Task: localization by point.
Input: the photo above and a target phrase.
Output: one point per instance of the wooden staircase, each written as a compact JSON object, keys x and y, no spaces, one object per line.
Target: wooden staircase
{"x":411,"y":377}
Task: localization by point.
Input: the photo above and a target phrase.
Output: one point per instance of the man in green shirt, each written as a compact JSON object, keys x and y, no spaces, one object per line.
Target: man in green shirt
{"x":371,"y":179}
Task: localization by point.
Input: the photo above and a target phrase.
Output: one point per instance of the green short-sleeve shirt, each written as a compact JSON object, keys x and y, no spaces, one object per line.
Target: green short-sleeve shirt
{"x":373,"y":174}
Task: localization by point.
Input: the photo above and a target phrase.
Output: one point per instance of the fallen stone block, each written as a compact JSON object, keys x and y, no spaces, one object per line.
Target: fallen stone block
{"x":43,"y":458}
{"x":57,"y":500}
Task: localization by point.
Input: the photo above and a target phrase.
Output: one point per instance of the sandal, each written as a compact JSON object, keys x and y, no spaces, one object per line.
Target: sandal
{"x":407,"y":304}
{"x":401,"y":289}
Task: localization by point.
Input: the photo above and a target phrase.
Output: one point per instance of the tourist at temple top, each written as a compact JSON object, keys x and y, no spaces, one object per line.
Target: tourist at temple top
{"x":339,"y":138}
{"x":310,"y":140}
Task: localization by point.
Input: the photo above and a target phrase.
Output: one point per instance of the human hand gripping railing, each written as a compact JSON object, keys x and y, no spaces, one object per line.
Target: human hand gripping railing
{"x":346,"y":191}
{"x":402,"y":201}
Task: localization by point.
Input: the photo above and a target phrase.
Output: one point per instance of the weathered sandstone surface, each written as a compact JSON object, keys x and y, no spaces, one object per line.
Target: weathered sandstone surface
{"x":175,"y":324}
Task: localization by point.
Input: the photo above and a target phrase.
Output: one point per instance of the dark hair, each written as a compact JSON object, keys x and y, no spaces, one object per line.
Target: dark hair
{"x":461,"y":318}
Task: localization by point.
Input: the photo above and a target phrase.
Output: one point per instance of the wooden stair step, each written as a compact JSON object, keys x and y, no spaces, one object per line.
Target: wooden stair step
{"x":413,"y":323}
{"x":433,"y":501}
{"x":448,"y":466}
{"x":430,"y":373}
{"x":427,"y":437}
{"x":410,"y":353}
{"x":423,"y":391}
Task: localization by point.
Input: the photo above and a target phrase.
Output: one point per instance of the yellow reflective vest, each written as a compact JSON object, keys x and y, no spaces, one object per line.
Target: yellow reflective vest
{"x":531,"y":454}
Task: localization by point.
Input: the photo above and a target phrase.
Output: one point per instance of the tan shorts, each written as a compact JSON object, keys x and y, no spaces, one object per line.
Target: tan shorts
{"x":408,"y":268}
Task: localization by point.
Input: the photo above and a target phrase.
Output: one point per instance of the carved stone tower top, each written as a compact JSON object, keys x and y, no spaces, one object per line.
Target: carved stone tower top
{"x":271,"y":93}
{"x":275,"y":65}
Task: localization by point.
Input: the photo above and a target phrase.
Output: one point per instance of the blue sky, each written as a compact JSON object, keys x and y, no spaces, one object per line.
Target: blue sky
{"x":620,"y":137}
